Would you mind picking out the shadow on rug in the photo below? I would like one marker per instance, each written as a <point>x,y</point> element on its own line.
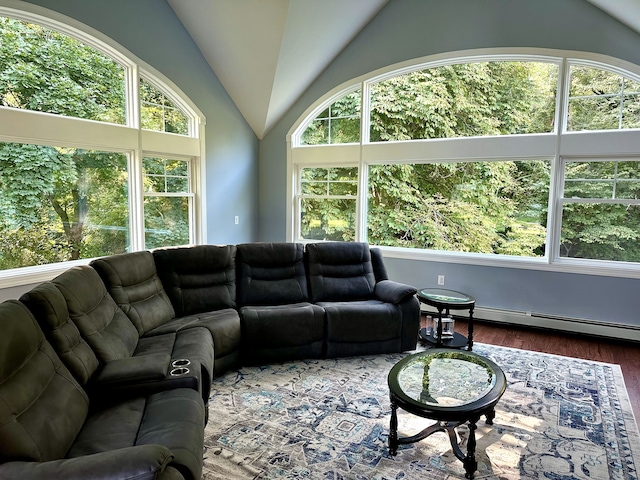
<point>560,418</point>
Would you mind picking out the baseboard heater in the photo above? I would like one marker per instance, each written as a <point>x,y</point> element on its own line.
<point>553,322</point>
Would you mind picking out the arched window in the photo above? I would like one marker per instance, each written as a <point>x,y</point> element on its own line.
<point>77,179</point>
<point>495,159</point>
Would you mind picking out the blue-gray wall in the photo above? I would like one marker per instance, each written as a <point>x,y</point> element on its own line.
<point>408,29</point>
<point>150,30</point>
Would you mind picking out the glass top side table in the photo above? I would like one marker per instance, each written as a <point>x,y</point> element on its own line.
<point>445,301</point>
<point>452,387</point>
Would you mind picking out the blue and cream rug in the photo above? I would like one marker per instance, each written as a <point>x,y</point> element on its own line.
<point>560,418</point>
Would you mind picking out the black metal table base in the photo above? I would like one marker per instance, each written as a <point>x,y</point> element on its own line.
<point>468,459</point>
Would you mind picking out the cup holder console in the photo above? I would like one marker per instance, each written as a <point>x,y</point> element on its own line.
<point>179,371</point>
<point>180,362</point>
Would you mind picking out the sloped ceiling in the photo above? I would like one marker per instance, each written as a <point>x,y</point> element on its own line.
<point>626,11</point>
<point>267,52</point>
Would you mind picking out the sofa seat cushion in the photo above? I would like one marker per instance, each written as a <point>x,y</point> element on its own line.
<point>146,462</point>
<point>224,326</point>
<point>173,418</point>
<point>362,321</point>
<point>282,325</point>
<point>193,343</point>
<point>282,332</point>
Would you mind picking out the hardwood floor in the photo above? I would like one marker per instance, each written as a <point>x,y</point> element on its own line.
<point>625,354</point>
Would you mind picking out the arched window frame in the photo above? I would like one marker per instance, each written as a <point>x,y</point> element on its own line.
<point>558,145</point>
<point>40,128</point>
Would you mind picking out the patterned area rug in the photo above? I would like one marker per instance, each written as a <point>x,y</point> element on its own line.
<point>560,418</point>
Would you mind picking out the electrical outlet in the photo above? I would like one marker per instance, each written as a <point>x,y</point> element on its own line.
<point>237,220</point>
<point>440,279</point>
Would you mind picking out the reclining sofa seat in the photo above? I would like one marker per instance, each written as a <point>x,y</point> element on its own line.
<point>193,276</point>
<point>102,348</point>
<point>200,281</point>
<point>49,428</point>
<point>278,321</point>
<point>366,313</point>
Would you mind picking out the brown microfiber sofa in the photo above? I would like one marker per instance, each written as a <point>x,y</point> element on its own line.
<point>115,330</point>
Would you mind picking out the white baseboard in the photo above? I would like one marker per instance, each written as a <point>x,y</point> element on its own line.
<point>538,320</point>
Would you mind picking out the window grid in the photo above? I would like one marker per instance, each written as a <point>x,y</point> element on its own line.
<point>73,132</point>
<point>553,258</point>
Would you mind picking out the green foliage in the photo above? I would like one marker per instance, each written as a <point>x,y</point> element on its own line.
<point>465,207</point>
<point>601,231</point>
<point>20,247</point>
<point>28,173</point>
<point>331,214</point>
<point>166,221</point>
<point>46,71</point>
<point>340,123</point>
<point>158,113</point>
<point>59,203</point>
<point>602,100</point>
<point>463,100</point>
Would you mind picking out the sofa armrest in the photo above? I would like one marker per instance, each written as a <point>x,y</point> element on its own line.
<point>140,369</point>
<point>393,292</point>
<point>140,462</point>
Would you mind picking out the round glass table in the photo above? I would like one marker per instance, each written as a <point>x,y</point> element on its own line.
<point>444,301</point>
<point>452,387</point>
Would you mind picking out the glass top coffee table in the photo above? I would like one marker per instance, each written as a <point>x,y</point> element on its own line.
<point>452,387</point>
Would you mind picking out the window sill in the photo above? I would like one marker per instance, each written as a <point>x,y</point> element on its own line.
<point>37,274</point>
<point>562,265</point>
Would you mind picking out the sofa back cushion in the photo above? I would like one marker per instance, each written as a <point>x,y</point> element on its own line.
<point>48,306</point>
<point>102,324</point>
<point>198,279</point>
<point>42,408</point>
<point>271,274</point>
<point>340,271</point>
<point>133,282</point>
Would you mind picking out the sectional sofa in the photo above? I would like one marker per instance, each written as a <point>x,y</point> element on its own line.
<point>107,369</point>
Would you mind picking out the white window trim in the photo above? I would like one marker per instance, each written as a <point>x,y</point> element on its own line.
<point>556,145</point>
<point>24,126</point>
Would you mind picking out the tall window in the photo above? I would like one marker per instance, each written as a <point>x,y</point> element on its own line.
<point>167,202</point>
<point>71,165</point>
<point>486,158</point>
<point>328,203</point>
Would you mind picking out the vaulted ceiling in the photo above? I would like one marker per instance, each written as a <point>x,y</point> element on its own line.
<point>267,52</point>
